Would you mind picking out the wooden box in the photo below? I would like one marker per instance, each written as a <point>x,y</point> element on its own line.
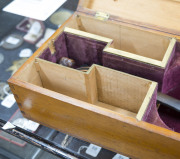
<point>105,106</point>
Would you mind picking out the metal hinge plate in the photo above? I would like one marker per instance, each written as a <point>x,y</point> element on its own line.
<point>102,16</point>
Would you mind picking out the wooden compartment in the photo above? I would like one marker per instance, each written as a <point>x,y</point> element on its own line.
<point>125,41</point>
<point>149,57</point>
<point>143,53</point>
<point>103,87</point>
<point>102,106</point>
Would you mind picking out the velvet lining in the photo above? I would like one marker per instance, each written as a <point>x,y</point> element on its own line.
<point>170,117</point>
<point>61,50</point>
<point>172,77</point>
<point>175,92</point>
<point>83,50</point>
<point>175,73</point>
<point>151,115</point>
<point>88,51</point>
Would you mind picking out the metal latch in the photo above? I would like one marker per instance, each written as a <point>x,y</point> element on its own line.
<point>102,16</point>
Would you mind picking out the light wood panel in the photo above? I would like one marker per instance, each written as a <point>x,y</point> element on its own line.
<point>162,15</point>
<point>62,79</point>
<point>125,38</point>
<point>87,34</point>
<point>30,74</point>
<point>121,111</point>
<point>120,89</point>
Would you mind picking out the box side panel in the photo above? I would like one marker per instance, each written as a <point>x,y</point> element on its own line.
<point>100,126</point>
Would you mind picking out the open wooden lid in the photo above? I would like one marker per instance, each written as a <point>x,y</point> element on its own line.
<point>160,15</point>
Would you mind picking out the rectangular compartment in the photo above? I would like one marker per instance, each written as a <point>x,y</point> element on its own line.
<point>100,86</point>
<point>103,87</point>
<point>127,39</point>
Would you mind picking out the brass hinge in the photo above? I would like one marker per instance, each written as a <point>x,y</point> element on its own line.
<point>102,16</point>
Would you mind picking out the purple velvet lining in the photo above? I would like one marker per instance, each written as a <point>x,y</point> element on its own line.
<point>172,75</point>
<point>170,117</point>
<point>151,115</point>
<point>175,92</point>
<point>174,71</point>
<point>84,50</point>
<point>61,50</point>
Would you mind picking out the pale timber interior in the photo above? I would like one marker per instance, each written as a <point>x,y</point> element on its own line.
<point>30,75</point>
<point>124,38</point>
<point>100,86</point>
<point>162,15</point>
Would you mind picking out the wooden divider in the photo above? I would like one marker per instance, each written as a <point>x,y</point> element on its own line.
<point>91,85</point>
